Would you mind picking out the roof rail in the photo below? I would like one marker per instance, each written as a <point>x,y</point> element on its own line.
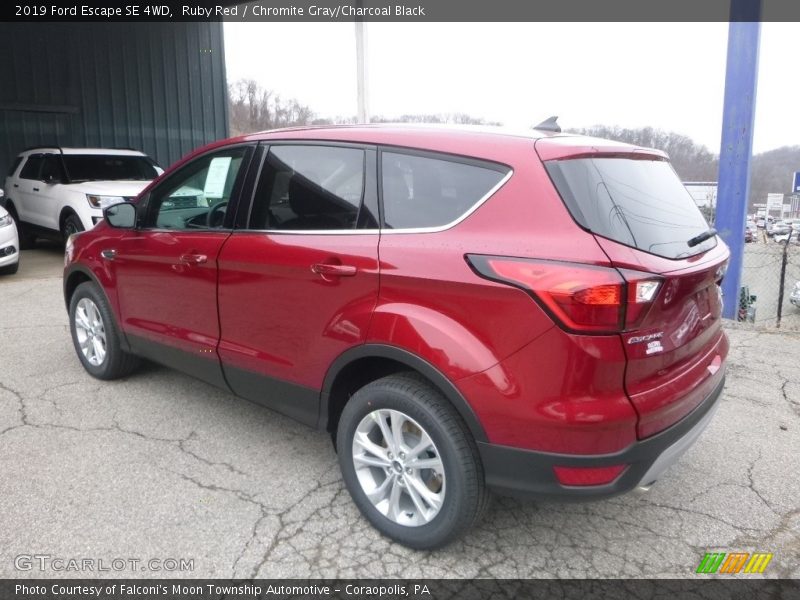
<point>43,147</point>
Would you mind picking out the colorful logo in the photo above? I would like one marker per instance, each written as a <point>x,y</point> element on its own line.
<point>734,562</point>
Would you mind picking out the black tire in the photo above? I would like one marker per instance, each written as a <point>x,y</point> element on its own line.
<point>26,239</point>
<point>465,497</point>
<point>72,224</point>
<point>116,363</point>
<point>9,269</point>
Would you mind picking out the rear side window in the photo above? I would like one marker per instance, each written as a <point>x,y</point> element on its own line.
<point>313,188</point>
<point>426,191</point>
<point>14,166</point>
<point>32,168</point>
<point>51,169</point>
<point>638,203</point>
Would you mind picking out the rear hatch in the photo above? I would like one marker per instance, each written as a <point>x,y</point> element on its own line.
<point>643,218</point>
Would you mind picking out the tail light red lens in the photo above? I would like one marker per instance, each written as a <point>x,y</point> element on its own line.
<point>581,298</point>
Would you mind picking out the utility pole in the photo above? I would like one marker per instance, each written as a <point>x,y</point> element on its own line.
<point>361,68</point>
<point>741,78</point>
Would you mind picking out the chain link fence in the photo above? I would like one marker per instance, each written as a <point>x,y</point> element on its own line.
<point>770,273</point>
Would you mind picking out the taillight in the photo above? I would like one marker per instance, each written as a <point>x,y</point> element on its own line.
<point>581,298</point>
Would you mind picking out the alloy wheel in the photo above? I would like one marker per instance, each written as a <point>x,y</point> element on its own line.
<point>399,467</point>
<point>90,332</point>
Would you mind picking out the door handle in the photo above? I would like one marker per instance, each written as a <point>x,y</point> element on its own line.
<point>35,189</point>
<point>109,254</point>
<point>193,259</point>
<point>16,185</point>
<point>327,270</point>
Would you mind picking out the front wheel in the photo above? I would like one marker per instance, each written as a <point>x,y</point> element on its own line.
<point>410,463</point>
<point>72,224</point>
<point>9,269</point>
<point>95,336</point>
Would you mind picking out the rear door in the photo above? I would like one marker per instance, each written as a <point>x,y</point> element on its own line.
<point>298,283</point>
<point>47,199</point>
<point>643,218</point>
<point>166,269</point>
<point>27,191</point>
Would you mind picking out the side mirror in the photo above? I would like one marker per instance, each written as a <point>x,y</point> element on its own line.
<point>121,216</point>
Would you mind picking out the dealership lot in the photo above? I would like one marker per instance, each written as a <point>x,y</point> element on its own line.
<point>162,467</point>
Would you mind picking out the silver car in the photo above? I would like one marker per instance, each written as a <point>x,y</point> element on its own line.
<point>794,298</point>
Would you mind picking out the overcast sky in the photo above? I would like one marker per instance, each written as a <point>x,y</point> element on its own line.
<point>665,75</point>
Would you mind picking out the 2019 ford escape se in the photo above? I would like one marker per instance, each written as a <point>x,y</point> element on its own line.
<point>463,310</point>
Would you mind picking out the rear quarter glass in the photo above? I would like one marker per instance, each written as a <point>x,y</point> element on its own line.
<point>637,202</point>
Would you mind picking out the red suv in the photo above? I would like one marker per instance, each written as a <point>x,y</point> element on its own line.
<point>463,310</point>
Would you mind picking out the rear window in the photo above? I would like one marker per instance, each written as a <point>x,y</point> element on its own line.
<point>32,167</point>
<point>423,191</point>
<point>14,165</point>
<point>636,202</point>
<point>99,167</point>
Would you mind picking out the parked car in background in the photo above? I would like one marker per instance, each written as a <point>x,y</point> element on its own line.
<point>779,228</point>
<point>9,243</point>
<point>749,235</point>
<point>761,222</point>
<point>53,192</point>
<point>770,228</point>
<point>791,238</point>
<point>794,297</point>
<point>461,309</point>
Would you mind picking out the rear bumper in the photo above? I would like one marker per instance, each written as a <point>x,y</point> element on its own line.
<point>528,473</point>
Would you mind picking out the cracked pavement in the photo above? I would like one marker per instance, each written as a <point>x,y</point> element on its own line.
<point>160,465</point>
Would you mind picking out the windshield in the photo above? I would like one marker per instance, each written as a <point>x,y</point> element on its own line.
<point>103,167</point>
<point>636,202</point>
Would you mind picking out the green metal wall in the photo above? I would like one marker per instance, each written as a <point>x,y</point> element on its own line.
<point>159,87</point>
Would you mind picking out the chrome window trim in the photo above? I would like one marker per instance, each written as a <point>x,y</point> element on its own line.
<point>405,230</point>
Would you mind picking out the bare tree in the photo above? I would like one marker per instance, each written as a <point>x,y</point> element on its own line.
<point>253,108</point>
<point>692,161</point>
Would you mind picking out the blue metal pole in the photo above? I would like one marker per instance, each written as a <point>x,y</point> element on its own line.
<point>741,77</point>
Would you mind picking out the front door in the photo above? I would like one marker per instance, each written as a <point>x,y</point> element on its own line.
<point>166,269</point>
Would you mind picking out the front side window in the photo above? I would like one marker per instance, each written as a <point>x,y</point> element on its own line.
<point>423,191</point>
<point>32,168</point>
<point>309,188</point>
<point>197,196</point>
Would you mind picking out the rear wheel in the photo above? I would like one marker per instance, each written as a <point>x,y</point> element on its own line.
<point>95,336</point>
<point>410,463</point>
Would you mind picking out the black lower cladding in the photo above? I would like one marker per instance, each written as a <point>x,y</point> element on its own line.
<point>530,474</point>
<point>295,401</point>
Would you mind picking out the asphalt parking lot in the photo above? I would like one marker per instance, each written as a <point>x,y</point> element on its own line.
<point>161,466</point>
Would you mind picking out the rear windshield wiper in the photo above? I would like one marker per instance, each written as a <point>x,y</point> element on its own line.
<point>699,239</point>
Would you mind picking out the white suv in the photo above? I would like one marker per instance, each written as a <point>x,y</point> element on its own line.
<point>53,192</point>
